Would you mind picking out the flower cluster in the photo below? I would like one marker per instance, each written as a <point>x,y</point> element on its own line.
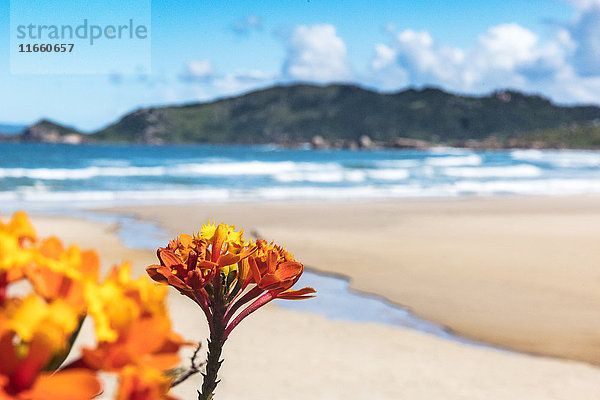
<point>229,279</point>
<point>38,330</point>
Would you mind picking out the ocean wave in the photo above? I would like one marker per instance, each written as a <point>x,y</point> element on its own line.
<point>306,193</point>
<point>515,171</point>
<point>388,174</point>
<point>528,154</point>
<point>452,161</point>
<point>192,169</point>
<point>337,176</point>
<point>249,168</point>
<point>79,173</point>
<point>284,171</point>
<point>559,158</point>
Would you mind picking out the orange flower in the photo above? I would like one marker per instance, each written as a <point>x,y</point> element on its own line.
<point>60,273</point>
<point>22,378</point>
<point>33,335</point>
<point>143,384</point>
<point>222,273</point>
<point>190,263</point>
<point>184,266</point>
<point>274,270</point>
<point>125,310</point>
<point>215,268</point>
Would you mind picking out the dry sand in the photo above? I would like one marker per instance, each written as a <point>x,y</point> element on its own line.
<point>523,273</point>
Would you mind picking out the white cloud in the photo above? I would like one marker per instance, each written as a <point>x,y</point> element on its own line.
<point>564,65</point>
<point>198,70</point>
<point>506,46</point>
<point>506,55</point>
<point>315,53</point>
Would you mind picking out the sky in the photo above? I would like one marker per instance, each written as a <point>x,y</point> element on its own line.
<point>201,50</point>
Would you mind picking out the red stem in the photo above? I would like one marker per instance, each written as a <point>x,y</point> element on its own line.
<point>261,301</point>
<point>201,298</point>
<point>233,307</point>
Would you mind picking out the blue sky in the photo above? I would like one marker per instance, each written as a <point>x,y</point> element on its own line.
<point>202,50</point>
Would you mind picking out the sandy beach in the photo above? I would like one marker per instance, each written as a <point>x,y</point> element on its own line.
<point>520,273</point>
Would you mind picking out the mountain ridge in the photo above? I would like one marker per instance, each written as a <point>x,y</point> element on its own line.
<point>352,116</point>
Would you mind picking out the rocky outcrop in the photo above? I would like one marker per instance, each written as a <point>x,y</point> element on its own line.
<point>49,132</point>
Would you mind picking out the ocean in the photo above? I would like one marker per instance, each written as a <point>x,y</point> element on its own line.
<point>47,176</point>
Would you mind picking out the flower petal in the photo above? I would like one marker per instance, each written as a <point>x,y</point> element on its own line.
<point>297,294</point>
<point>75,384</point>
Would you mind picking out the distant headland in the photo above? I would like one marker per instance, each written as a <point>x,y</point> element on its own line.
<point>347,116</point>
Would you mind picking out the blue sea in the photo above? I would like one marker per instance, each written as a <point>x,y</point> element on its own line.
<point>49,176</point>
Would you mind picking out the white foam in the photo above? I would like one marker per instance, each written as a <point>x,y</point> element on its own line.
<point>560,158</point>
<point>388,174</point>
<point>300,193</point>
<point>195,169</point>
<point>529,154</point>
<point>452,161</point>
<point>240,168</point>
<point>515,171</point>
<point>79,173</point>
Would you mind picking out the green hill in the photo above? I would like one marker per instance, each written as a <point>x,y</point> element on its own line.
<point>342,114</point>
<point>296,113</point>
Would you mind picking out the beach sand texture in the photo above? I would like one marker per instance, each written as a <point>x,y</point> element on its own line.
<point>521,273</point>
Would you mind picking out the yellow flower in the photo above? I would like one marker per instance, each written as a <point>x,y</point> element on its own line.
<point>33,317</point>
<point>19,226</point>
<point>131,323</point>
<point>220,235</point>
<point>110,308</point>
<point>12,255</point>
<point>120,300</point>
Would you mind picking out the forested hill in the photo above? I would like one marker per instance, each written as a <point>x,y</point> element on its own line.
<point>344,113</point>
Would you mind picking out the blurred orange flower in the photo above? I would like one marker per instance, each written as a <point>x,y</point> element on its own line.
<point>143,384</point>
<point>33,334</point>
<point>132,326</point>
<point>125,310</point>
